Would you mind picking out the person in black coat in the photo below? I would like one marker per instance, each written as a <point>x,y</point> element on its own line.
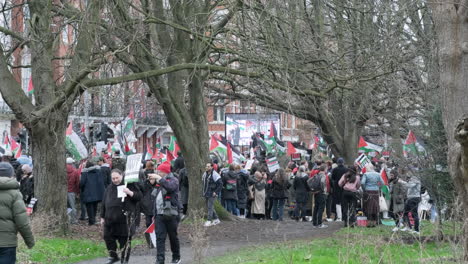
<point>118,217</point>
<point>337,194</point>
<point>179,163</point>
<point>91,189</point>
<point>279,188</point>
<point>229,192</point>
<point>105,171</point>
<point>184,189</point>
<point>302,193</point>
<point>242,190</point>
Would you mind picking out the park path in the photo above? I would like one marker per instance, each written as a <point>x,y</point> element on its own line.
<point>232,236</point>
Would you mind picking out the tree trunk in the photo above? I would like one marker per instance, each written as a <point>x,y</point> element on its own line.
<point>48,152</point>
<point>451,27</point>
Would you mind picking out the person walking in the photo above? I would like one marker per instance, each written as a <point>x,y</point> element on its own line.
<point>302,194</point>
<point>118,216</point>
<point>13,216</point>
<point>280,185</point>
<point>212,185</point>
<point>92,189</point>
<point>371,182</point>
<point>73,189</point>
<point>167,212</point>
<point>350,182</point>
<point>413,195</point>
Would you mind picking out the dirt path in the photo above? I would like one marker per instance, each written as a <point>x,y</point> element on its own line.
<point>231,236</point>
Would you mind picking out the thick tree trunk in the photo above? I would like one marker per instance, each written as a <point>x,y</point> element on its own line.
<point>451,27</point>
<point>48,151</point>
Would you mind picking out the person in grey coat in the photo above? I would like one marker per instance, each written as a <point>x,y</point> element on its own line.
<point>398,198</point>
<point>302,193</point>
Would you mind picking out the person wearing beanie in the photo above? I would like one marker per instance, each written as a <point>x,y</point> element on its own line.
<point>166,212</point>
<point>13,215</point>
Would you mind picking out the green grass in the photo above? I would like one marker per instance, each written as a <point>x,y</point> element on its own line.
<point>63,250</point>
<point>351,246</point>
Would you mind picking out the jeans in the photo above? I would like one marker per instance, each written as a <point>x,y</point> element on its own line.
<point>412,206</point>
<point>210,205</point>
<point>167,226</point>
<point>71,196</point>
<point>319,206</point>
<point>278,209</point>
<point>91,208</point>
<point>349,202</point>
<point>231,206</point>
<point>7,255</point>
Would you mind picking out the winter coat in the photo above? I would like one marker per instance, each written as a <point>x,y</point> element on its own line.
<point>242,189</point>
<point>13,218</point>
<point>179,164</point>
<point>227,178</point>
<point>73,177</point>
<point>92,185</point>
<point>348,186</point>
<point>302,188</point>
<point>258,204</point>
<point>168,187</point>
<point>147,201</point>
<point>278,190</point>
<point>336,174</point>
<point>398,196</point>
<point>27,188</point>
<point>183,186</point>
<point>106,174</point>
<point>116,213</point>
<point>371,181</point>
<point>212,183</point>
<point>414,188</point>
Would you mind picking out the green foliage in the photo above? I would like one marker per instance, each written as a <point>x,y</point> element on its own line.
<point>358,245</point>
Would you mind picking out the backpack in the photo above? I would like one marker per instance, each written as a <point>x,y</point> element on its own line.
<point>315,183</point>
<point>231,184</point>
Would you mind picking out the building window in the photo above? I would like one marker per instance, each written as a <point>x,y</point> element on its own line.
<point>218,113</point>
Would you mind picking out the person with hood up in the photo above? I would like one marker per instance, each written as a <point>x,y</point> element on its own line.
<point>167,212</point>
<point>279,187</point>
<point>13,216</point>
<point>92,189</point>
<point>302,194</point>
<point>118,216</point>
<point>229,192</point>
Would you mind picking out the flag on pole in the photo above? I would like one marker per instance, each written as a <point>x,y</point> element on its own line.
<point>6,142</point>
<point>364,146</point>
<point>291,148</point>
<point>30,86</point>
<point>151,231</point>
<point>383,175</point>
<point>173,146</point>
<point>74,145</point>
<point>273,132</point>
<point>169,156</point>
<point>216,146</point>
<point>158,143</point>
<point>156,155</point>
<point>18,153</point>
<point>14,145</point>
<point>149,152</point>
<point>410,144</point>
<point>129,123</point>
<point>229,154</point>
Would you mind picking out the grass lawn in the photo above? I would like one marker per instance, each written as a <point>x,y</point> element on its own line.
<point>63,250</point>
<point>353,245</point>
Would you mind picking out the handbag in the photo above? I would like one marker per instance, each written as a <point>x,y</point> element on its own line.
<point>382,204</point>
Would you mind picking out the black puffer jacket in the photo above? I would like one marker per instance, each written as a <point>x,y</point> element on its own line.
<point>92,185</point>
<point>242,189</point>
<point>230,181</point>
<point>301,188</point>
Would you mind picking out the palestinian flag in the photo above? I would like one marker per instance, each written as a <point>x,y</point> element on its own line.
<point>410,144</point>
<point>30,86</point>
<point>267,145</point>
<point>152,234</point>
<point>291,149</point>
<point>18,153</point>
<point>156,155</point>
<point>173,146</point>
<point>169,156</point>
<point>216,146</point>
<point>127,149</point>
<point>149,152</point>
<point>14,145</point>
<point>362,161</point>
<point>366,147</point>
<point>129,123</point>
<point>158,143</point>
<point>273,132</point>
<point>6,142</point>
<point>229,154</point>
<point>74,145</point>
<point>383,175</point>
<point>94,154</point>
<point>280,150</point>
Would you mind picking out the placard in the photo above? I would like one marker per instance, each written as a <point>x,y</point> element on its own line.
<point>296,156</point>
<point>132,168</point>
<point>273,164</point>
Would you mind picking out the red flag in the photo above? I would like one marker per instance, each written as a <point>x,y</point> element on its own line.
<point>14,144</point>
<point>169,156</point>
<point>150,228</point>
<point>213,143</point>
<point>127,148</point>
<point>383,174</point>
<point>410,139</point>
<point>229,153</point>
<point>148,150</point>
<point>5,140</point>
<point>155,155</point>
<point>272,130</point>
<point>291,149</point>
